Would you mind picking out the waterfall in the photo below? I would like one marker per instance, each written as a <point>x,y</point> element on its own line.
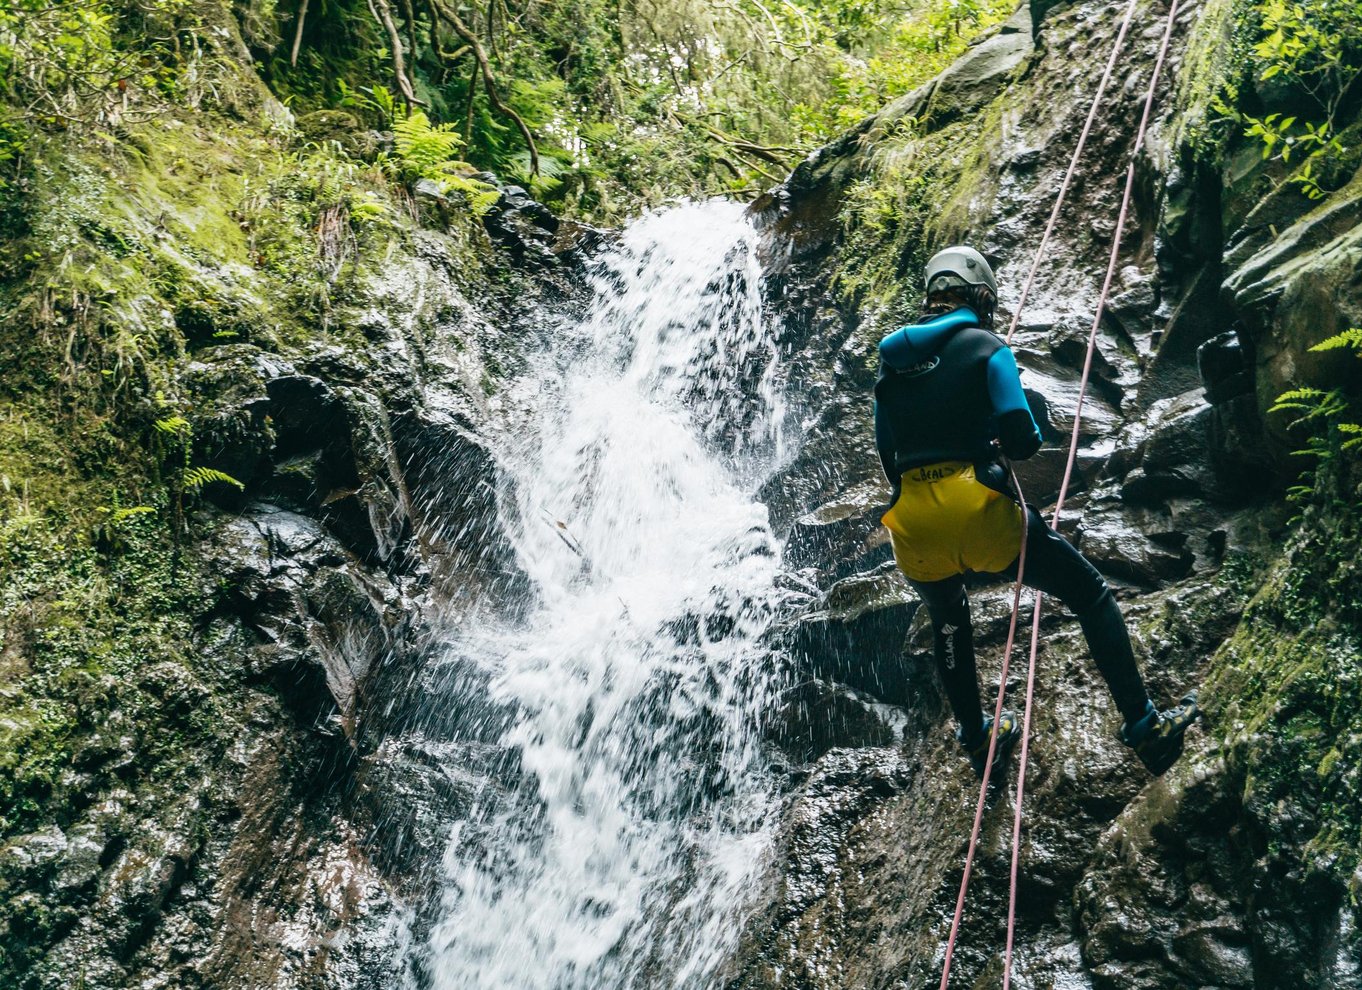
<point>632,806</point>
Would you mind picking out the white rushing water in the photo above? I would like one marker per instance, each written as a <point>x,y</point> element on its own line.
<point>622,851</point>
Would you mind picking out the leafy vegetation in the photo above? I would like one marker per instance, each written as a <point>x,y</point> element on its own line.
<point>1288,686</point>
<point>423,150</point>
<point>1328,415</point>
<point>916,192</point>
<point>84,62</point>
<point>1306,57</point>
<point>601,107</point>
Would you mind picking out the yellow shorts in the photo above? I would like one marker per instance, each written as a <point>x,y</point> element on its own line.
<point>947,522</point>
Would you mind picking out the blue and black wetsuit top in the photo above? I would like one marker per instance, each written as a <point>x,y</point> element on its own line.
<point>948,389</point>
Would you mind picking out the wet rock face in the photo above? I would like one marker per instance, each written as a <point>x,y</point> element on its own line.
<point>298,812</point>
<point>985,70</point>
<point>322,624</point>
<point>837,822</point>
<point>371,507</point>
<point>1126,882</point>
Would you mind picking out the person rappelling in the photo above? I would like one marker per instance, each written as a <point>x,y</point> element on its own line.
<point>949,407</point>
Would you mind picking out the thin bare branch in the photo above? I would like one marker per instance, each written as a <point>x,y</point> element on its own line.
<point>384,15</point>
<point>409,13</point>
<point>488,78</point>
<point>298,33</point>
<point>468,107</point>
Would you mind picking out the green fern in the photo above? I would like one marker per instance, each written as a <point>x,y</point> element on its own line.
<point>197,477</point>
<point>173,425</point>
<point>1351,338</point>
<point>118,515</point>
<point>479,196</point>
<point>431,151</point>
<point>367,209</point>
<point>1325,411</point>
<point>1297,398</point>
<point>426,150</point>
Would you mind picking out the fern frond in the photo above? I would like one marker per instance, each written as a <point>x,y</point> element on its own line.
<point>175,425</point>
<point>196,477</point>
<point>1350,338</point>
<point>367,209</point>
<point>1300,394</point>
<point>119,513</point>
<point>480,196</point>
<point>426,149</point>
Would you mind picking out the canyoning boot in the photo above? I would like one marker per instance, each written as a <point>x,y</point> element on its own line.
<point>1157,738</point>
<point>977,748</point>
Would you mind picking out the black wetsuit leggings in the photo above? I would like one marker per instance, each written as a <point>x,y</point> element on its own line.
<point>1057,569</point>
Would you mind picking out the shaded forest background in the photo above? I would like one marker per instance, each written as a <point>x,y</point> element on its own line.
<point>598,107</point>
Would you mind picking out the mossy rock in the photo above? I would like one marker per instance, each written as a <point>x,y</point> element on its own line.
<point>339,128</point>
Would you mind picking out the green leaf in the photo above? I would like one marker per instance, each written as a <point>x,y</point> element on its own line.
<point>173,426</point>
<point>197,477</point>
<point>1351,338</point>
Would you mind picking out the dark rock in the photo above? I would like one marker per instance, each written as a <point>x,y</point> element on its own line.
<point>232,428</point>
<point>579,241</point>
<point>1133,544</point>
<point>526,228</point>
<point>1135,304</point>
<point>449,479</point>
<point>522,226</point>
<point>429,189</point>
<point>842,534</point>
<point>838,454</point>
<point>1040,9</point>
<point>1054,398</point>
<point>981,73</point>
<point>821,895</point>
<point>1167,877</point>
<point>322,625</point>
<point>1224,368</point>
<point>82,859</point>
<point>1041,475</point>
<point>1296,289</point>
<point>818,716</point>
<point>1176,452</point>
<point>1240,450</point>
<point>424,785</point>
<point>854,635</point>
<point>1197,317</point>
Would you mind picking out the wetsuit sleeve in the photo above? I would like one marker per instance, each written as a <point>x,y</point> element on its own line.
<point>1017,430</point>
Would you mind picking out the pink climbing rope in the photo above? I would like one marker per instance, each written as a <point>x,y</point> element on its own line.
<point>1112,262</point>
<point>1073,167</point>
<point>1021,558</point>
<point>988,760</point>
<point>1064,486</point>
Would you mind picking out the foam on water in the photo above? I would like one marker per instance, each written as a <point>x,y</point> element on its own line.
<point>622,849</point>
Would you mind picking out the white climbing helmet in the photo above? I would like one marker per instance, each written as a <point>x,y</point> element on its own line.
<point>957,267</point>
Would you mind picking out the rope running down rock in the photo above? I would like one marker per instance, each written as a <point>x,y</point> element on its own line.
<point>1064,487</point>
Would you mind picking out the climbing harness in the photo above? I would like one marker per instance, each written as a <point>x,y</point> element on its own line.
<point>1063,488</point>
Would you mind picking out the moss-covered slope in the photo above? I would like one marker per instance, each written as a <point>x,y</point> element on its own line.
<point>209,310</point>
